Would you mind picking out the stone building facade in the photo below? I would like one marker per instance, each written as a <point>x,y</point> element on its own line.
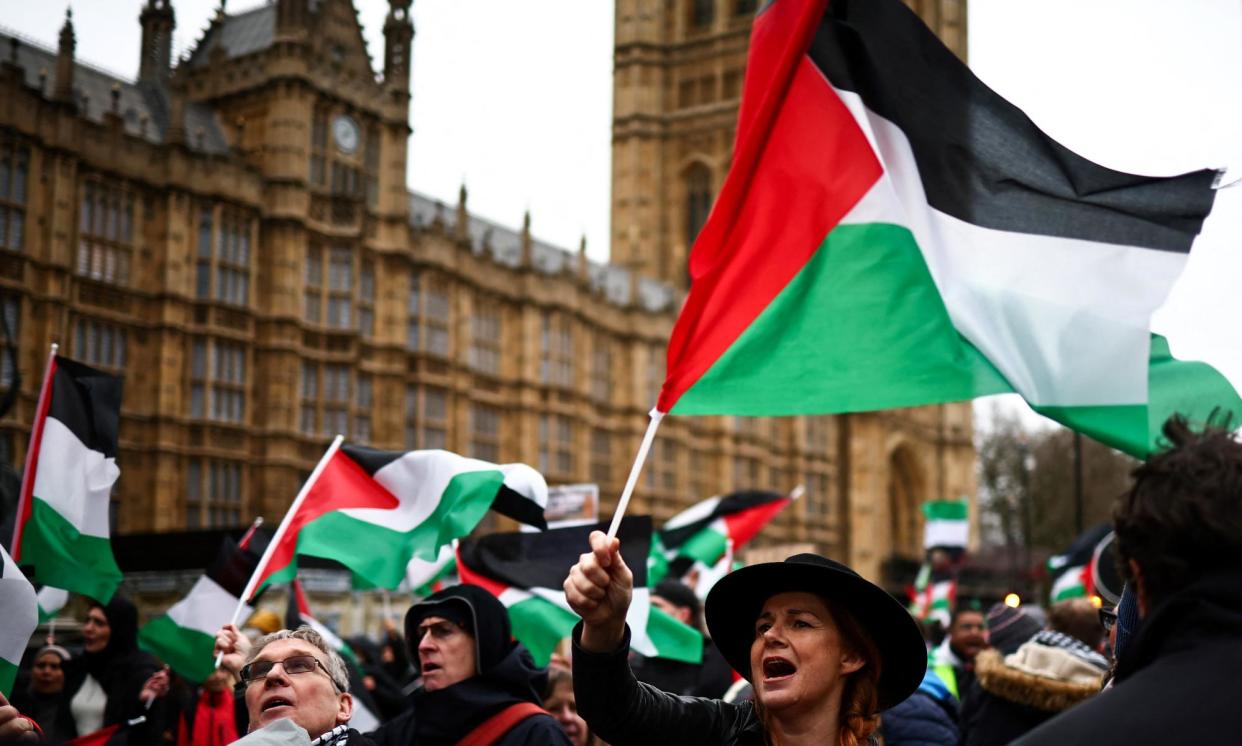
<point>233,234</point>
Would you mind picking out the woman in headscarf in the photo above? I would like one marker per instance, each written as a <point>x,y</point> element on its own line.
<point>104,685</point>
<point>44,700</point>
<point>825,650</point>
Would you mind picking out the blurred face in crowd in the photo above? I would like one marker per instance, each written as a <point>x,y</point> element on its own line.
<point>797,661</point>
<point>564,708</point>
<point>310,698</point>
<point>446,653</point>
<point>968,634</point>
<point>96,631</point>
<point>680,613</point>
<point>47,677</point>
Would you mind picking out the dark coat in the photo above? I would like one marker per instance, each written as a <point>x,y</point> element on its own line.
<point>621,710</point>
<point>50,711</point>
<point>445,716</point>
<point>1176,682</point>
<point>711,678</point>
<point>926,718</point>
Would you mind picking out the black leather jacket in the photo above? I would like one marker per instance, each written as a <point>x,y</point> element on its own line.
<point>621,710</point>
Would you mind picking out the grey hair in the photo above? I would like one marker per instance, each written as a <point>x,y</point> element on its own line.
<point>336,664</point>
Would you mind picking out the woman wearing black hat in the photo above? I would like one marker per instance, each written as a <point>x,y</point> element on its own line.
<point>824,649</point>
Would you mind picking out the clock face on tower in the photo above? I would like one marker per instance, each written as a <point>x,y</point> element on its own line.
<point>345,133</point>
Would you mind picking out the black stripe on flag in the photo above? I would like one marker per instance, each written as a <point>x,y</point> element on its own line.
<point>734,502</point>
<point>980,158</point>
<point>543,559</point>
<point>88,402</point>
<point>520,508</point>
<point>232,567</point>
<point>370,459</point>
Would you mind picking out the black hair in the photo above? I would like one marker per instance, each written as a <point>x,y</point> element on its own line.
<point>1183,515</point>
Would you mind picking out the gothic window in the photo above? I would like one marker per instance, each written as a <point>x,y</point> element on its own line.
<point>313,308</point>
<point>309,423</point>
<point>557,351</point>
<point>485,422</point>
<point>225,250</point>
<point>702,475</point>
<point>366,300</point>
<point>335,400</point>
<point>429,316</point>
<point>319,147</point>
<point>213,494</point>
<point>698,200</point>
<point>485,338</point>
<point>11,308</point>
<point>702,13</point>
<point>361,432</point>
<point>654,375</point>
<point>556,446</point>
<point>426,418</point>
<point>14,167</point>
<point>106,232</point>
<point>99,344</point>
<point>601,370</point>
<point>217,381</point>
<point>601,457</point>
<point>746,473</point>
<point>818,495</point>
<point>371,167</point>
<point>340,287</point>
<point>819,435</point>
<point>327,407</point>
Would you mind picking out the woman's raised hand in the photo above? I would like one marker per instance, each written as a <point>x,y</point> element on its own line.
<point>598,589</point>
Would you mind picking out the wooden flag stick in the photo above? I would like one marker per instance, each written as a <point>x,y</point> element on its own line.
<point>635,470</point>
<point>280,531</point>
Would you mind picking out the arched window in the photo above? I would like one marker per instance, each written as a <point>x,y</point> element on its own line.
<point>702,13</point>
<point>698,200</point>
<point>905,494</point>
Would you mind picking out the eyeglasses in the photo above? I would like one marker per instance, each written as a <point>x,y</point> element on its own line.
<point>294,665</point>
<point>1108,618</point>
<point>439,630</point>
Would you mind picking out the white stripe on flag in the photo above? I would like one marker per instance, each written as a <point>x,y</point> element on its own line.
<point>76,481</point>
<point>696,512</point>
<point>52,600</point>
<point>19,615</point>
<point>945,533</point>
<point>1050,313</point>
<point>206,608</point>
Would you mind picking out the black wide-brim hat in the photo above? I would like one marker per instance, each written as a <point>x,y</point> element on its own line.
<point>735,602</point>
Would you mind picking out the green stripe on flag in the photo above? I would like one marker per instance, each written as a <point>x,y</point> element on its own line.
<point>673,639</point>
<point>186,651</point>
<point>706,546</point>
<point>8,674</point>
<point>66,558</point>
<point>862,326</point>
<point>540,625</point>
<point>945,510</point>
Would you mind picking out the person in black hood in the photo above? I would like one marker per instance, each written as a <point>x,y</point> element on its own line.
<point>105,684</point>
<point>476,679</point>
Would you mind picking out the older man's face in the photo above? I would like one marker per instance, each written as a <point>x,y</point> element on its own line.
<point>445,653</point>
<point>309,699</point>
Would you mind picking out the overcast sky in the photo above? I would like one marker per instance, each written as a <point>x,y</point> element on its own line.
<point>514,98</point>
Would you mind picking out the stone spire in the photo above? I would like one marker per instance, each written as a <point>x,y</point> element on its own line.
<point>158,21</point>
<point>528,245</point>
<point>398,38</point>
<point>462,225</point>
<point>64,60</point>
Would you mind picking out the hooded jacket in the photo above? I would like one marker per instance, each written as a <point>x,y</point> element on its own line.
<point>507,675</point>
<point>926,718</point>
<point>1047,675</point>
<point>1176,681</point>
<point>121,669</point>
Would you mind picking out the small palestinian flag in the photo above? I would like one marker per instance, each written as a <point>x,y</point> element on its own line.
<point>373,511</point>
<point>945,524</point>
<point>701,533</point>
<point>526,571</point>
<point>298,613</point>
<point>1075,582</point>
<point>19,615</point>
<point>62,526</point>
<point>112,735</point>
<point>185,635</point>
<point>893,233</point>
<point>426,578</point>
<point>1071,570</point>
<point>932,597</point>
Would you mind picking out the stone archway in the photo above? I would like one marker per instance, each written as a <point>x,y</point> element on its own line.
<point>907,489</point>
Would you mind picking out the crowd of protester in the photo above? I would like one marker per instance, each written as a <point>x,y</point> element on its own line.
<point>800,651</point>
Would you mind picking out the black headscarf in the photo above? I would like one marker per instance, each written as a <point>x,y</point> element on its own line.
<point>473,609</point>
<point>120,668</point>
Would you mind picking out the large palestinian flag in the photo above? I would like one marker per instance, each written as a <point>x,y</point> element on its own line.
<point>19,615</point>
<point>893,233</point>
<point>184,636</point>
<point>526,571</point>
<point>62,517</point>
<point>700,534</point>
<point>372,511</point>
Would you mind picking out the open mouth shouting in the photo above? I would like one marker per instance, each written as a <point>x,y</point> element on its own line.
<point>777,669</point>
<point>275,707</point>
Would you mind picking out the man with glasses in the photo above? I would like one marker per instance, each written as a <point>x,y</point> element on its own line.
<point>295,675</point>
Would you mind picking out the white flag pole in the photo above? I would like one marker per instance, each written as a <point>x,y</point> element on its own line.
<point>280,531</point>
<point>36,435</point>
<point>635,470</point>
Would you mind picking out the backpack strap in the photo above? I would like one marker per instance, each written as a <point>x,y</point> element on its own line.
<point>490,730</point>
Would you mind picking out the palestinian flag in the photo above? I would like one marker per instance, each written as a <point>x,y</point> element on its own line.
<point>700,534</point>
<point>1075,582</point>
<point>893,233</point>
<point>297,614</point>
<point>932,597</point>
<point>426,578</point>
<point>373,511</point>
<point>184,637</point>
<point>51,601</point>
<point>19,616</point>
<point>1071,570</point>
<point>62,525</point>
<point>526,571</point>
<point>945,524</point>
<point>112,734</point>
